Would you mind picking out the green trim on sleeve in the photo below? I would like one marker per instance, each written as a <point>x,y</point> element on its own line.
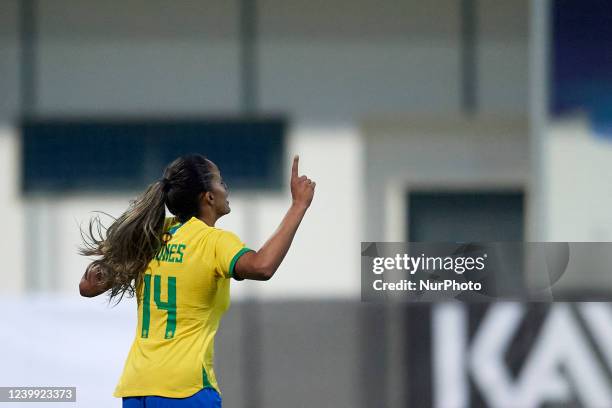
<point>235,259</point>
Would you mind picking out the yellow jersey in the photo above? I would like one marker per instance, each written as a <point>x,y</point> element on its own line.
<point>183,294</point>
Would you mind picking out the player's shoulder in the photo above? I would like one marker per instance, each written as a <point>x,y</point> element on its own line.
<point>223,237</point>
<point>224,234</point>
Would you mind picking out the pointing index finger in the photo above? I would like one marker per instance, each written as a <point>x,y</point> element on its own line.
<point>294,167</point>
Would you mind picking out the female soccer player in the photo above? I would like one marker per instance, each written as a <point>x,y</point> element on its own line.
<point>179,268</point>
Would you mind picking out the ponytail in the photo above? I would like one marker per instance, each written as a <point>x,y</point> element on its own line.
<point>130,243</point>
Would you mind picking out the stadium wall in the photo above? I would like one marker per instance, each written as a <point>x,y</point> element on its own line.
<point>353,60</point>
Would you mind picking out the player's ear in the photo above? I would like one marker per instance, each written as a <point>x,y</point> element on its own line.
<point>206,198</point>
<point>209,197</point>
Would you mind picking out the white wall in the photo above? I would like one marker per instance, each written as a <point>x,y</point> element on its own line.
<point>438,152</point>
<point>579,183</point>
<point>324,261</point>
<point>14,241</point>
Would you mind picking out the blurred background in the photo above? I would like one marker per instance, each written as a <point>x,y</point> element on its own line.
<point>444,120</point>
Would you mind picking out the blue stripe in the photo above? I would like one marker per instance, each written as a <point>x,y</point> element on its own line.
<point>175,228</point>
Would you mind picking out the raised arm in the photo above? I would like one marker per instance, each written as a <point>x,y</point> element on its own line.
<point>92,282</point>
<point>262,265</point>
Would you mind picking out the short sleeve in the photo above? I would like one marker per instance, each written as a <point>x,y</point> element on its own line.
<point>228,249</point>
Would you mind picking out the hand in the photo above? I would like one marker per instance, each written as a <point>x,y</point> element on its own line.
<point>97,273</point>
<point>95,280</point>
<point>302,188</point>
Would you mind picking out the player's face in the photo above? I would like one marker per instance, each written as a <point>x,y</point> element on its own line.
<point>220,192</point>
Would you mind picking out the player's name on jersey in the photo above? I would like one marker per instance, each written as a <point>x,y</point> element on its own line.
<point>171,253</point>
